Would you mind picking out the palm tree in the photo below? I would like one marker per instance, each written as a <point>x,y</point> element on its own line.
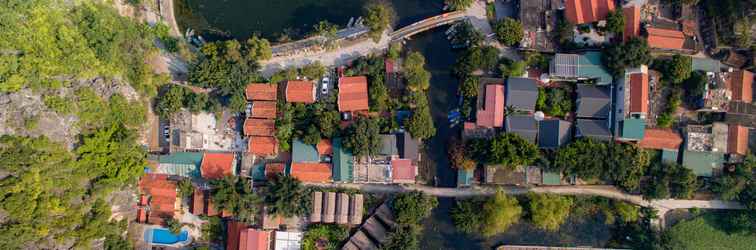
<point>235,195</point>
<point>286,196</point>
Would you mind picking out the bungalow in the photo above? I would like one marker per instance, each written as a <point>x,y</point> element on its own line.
<point>577,67</point>
<point>263,146</point>
<point>311,172</point>
<point>523,125</point>
<point>587,11</point>
<point>403,171</point>
<point>218,165</point>
<point>353,94</point>
<point>521,94</point>
<point>338,208</point>
<point>253,239</point>
<point>408,147</point>
<point>592,102</point>
<point>300,91</point>
<point>662,139</point>
<point>669,39</point>
<point>492,114</point>
<point>553,134</point>
<point>737,140</point>
<point>261,92</point>
<point>259,127</point>
<point>632,21</point>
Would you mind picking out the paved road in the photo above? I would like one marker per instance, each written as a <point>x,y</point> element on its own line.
<point>662,206</point>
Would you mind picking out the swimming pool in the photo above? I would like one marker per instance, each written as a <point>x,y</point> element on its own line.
<point>164,236</point>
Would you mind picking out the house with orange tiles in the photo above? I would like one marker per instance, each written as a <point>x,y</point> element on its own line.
<point>264,146</point>
<point>737,140</point>
<point>353,94</point>
<point>631,109</point>
<point>300,91</point>
<point>259,127</point>
<point>218,165</point>
<point>240,237</point>
<point>157,200</point>
<point>311,172</point>
<point>742,86</point>
<point>263,110</point>
<point>261,92</point>
<point>492,113</point>
<point>632,16</point>
<point>587,11</point>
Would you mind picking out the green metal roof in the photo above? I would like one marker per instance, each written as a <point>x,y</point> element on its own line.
<point>343,162</point>
<point>551,178</point>
<point>591,67</point>
<point>669,156</point>
<point>184,164</point>
<point>706,65</point>
<point>301,152</point>
<point>464,177</point>
<point>182,158</point>
<point>702,163</point>
<point>633,128</point>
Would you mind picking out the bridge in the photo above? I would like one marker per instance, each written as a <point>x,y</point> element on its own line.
<point>426,24</point>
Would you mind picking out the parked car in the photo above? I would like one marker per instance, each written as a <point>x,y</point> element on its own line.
<point>324,88</point>
<point>248,110</point>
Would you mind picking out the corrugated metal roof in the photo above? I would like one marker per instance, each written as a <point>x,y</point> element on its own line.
<point>706,64</point>
<point>633,128</point>
<point>343,162</point>
<point>552,178</point>
<point>554,133</point>
<point>586,66</point>
<point>596,129</point>
<point>523,125</point>
<point>592,101</point>
<point>464,177</point>
<point>522,93</point>
<point>702,163</point>
<point>388,145</point>
<point>301,152</point>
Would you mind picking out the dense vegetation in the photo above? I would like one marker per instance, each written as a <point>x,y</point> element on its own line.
<point>737,183</point>
<point>710,231</point>
<point>286,196</point>
<point>487,216</point>
<point>554,101</point>
<point>506,149</point>
<point>235,195</point>
<point>330,235</point>
<point>410,209</point>
<point>669,180</point>
<point>378,17</point>
<point>631,54</point>
<point>363,137</point>
<point>420,123</point>
<point>623,164</point>
<point>508,31</point>
<point>459,4</point>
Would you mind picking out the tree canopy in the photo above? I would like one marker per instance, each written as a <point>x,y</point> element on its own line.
<point>508,31</point>
<point>676,69</point>
<point>507,149</point>
<point>378,17</point>
<point>623,164</point>
<point>235,195</point>
<point>548,211</point>
<point>499,213</point>
<point>631,54</point>
<point>413,207</point>
<point>363,137</point>
<point>615,21</point>
<point>285,196</point>
<point>459,4</point>
<point>418,78</point>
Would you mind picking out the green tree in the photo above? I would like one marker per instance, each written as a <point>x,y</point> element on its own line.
<point>258,49</point>
<point>458,156</point>
<point>328,122</point>
<point>549,211</point>
<point>286,197</point>
<point>583,157</point>
<point>418,78</point>
<point>466,215</point>
<point>405,237</point>
<point>738,183</point>
<point>511,150</point>
<point>499,212</point>
<point>314,70</point>
<point>363,137</point>
<point>185,187</point>
<point>235,195</point>
<point>628,212</point>
<point>212,231</point>
<point>630,54</point>
<point>627,163</point>
<point>412,207</point>
<point>326,29</point>
<point>329,235</point>
<point>469,87</point>
<point>284,126</point>
<point>173,225</point>
<point>615,21</point>
<point>195,102</point>
<point>459,4</point>
<point>312,135</point>
<point>675,70</point>
<point>378,17</point>
<point>170,101</point>
<point>420,123</point>
<point>395,51</point>
<point>514,69</point>
<point>564,31</point>
<point>378,95</point>
<point>508,31</point>
<point>669,180</point>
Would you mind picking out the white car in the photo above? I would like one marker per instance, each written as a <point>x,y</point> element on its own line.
<point>324,88</point>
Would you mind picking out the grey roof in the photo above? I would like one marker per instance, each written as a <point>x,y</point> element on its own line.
<point>521,93</point>
<point>388,145</point>
<point>522,125</point>
<point>408,146</point>
<point>554,133</point>
<point>585,66</point>
<point>595,129</point>
<point>592,101</point>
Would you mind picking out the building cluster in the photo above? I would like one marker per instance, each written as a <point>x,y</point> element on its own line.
<point>338,208</point>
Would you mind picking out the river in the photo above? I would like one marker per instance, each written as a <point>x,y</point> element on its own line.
<point>236,19</point>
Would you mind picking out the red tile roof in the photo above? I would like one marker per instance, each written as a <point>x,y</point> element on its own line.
<point>271,169</point>
<point>264,109</point>
<point>162,192</point>
<point>665,39</point>
<point>261,92</point>
<point>737,140</point>
<point>253,239</point>
<point>353,94</point>
<point>234,230</point>
<point>587,11</point>
<point>198,202</point>
<point>639,93</point>
<point>324,147</point>
<point>492,114</point>
<point>632,22</point>
<point>300,91</point>
<point>402,170</point>
<point>217,165</point>
<point>141,215</point>
<point>311,172</point>
<point>259,127</point>
<point>742,84</point>
<point>262,145</point>
<point>661,139</point>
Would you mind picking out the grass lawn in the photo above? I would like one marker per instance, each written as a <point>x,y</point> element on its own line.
<point>701,233</point>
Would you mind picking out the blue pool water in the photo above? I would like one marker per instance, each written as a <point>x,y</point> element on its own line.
<point>164,236</point>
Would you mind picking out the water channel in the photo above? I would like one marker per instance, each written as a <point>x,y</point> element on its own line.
<point>241,18</point>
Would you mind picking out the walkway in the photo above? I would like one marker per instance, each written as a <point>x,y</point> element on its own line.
<point>662,206</point>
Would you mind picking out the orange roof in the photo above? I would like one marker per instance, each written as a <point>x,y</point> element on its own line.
<point>639,93</point>
<point>271,169</point>
<point>353,93</point>
<point>261,91</point>
<point>311,172</point>
<point>632,22</point>
<point>162,192</point>
<point>324,147</point>
<point>234,230</point>
<point>253,239</point>
<point>402,170</point>
<point>217,165</point>
<point>660,139</point>
<point>141,215</point>
<point>742,84</point>
<point>198,202</point>
<point>587,11</point>
<point>259,127</point>
<point>300,91</point>
<point>737,140</point>
<point>665,39</point>
<point>262,145</point>
<point>264,109</point>
<point>492,114</point>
